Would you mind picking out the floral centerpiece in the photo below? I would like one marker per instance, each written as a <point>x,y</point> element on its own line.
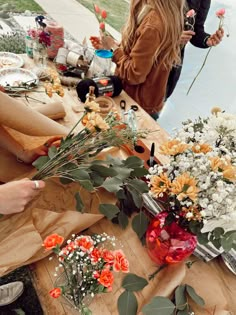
<point>88,264</point>
<point>196,189</point>
<point>41,40</point>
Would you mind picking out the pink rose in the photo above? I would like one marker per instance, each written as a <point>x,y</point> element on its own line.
<point>220,13</point>
<point>190,13</point>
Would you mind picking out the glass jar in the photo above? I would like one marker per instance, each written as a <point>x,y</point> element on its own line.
<point>101,64</point>
<point>67,299</point>
<point>168,243</point>
<point>40,55</point>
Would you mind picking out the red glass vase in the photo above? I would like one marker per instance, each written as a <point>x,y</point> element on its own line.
<point>168,244</point>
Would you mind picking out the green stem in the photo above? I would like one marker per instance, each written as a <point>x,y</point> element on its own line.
<point>152,276</point>
<point>205,59</point>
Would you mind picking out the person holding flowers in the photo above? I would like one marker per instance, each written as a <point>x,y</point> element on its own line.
<point>148,50</point>
<point>196,12</point>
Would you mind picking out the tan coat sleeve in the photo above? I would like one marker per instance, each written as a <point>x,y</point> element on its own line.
<point>135,67</point>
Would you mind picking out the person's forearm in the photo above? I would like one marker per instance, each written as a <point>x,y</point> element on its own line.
<point>9,143</point>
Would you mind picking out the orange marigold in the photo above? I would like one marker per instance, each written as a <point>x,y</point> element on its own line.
<point>159,184</point>
<point>185,186</point>
<point>230,173</point>
<point>173,147</point>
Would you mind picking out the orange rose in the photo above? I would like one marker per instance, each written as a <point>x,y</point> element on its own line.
<point>108,256</point>
<point>106,278</point>
<point>55,293</point>
<point>120,263</point>
<point>52,241</point>
<point>85,243</point>
<point>95,255</point>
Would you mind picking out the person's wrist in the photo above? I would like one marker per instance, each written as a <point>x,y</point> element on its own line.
<point>206,41</point>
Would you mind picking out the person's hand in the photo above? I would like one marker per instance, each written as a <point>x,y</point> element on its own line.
<point>14,196</point>
<point>96,42</point>
<point>29,156</point>
<point>215,38</point>
<point>186,37</point>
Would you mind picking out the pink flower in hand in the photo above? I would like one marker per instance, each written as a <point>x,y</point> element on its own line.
<point>190,13</point>
<point>220,13</point>
<point>104,14</point>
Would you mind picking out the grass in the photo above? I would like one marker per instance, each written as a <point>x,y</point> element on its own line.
<point>117,11</point>
<point>22,5</point>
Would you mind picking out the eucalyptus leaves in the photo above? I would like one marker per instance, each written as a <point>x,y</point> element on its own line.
<point>128,305</point>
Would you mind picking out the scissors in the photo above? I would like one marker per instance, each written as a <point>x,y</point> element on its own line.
<point>123,106</point>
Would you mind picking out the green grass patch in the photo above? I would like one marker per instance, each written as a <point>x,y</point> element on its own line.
<point>117,11</point>
<point>22,5</point>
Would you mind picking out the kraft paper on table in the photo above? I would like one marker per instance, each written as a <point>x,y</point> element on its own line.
<point>16,115</point>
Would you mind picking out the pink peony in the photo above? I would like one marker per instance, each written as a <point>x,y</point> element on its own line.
<point>220,13</point>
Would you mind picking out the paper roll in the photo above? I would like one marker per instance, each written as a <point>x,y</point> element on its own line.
<point>52,110</point>
<point>16,115</point>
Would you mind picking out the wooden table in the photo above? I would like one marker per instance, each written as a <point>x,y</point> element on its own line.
<point>219,294</point>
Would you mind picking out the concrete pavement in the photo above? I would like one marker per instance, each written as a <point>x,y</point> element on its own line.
<point>75,18</point>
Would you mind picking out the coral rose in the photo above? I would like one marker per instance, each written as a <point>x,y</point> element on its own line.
<point>55,293</point>
<point>52,241</point>
<point>108,256</point>
<point>85,243</point>
<point>220,13</point>
<point>102,26</point>
<point>106,278</point>
<point>120,263</point>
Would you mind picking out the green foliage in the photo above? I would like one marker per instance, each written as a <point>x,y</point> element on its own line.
<point>159,306</point>
<point>163,306</point>
<point>14,43</point>
<point>21,5</point>
<point>79,202</point>
<point>108,210</point>
<point>140,223</point>
<point>133,282</point>
<point>127,303</point>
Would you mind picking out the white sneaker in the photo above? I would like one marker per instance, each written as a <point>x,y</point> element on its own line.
<point>10,292</point>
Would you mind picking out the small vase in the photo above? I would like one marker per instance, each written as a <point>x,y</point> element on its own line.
<point>40,55</point>
<point>67,299</point>
<point>170,243</point>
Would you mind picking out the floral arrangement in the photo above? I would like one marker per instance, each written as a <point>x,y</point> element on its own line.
<point>221,15</point>
<point>197,186</point>
<point>38,34</point>
<point>88,264</point>
<point>74,159</point>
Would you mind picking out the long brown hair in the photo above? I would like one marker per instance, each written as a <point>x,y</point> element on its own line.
<point>171,16</point>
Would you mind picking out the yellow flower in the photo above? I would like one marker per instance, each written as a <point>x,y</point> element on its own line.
<point>230,173</point>
<point>185,186</point>
<point>173,147</point>
<point>91,106</point>
<point>159,184</point>
<point>95,122</point>
<point>201,148</point>
<point>219,164</point>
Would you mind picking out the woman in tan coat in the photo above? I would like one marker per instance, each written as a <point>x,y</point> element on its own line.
<point>148,49</point>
